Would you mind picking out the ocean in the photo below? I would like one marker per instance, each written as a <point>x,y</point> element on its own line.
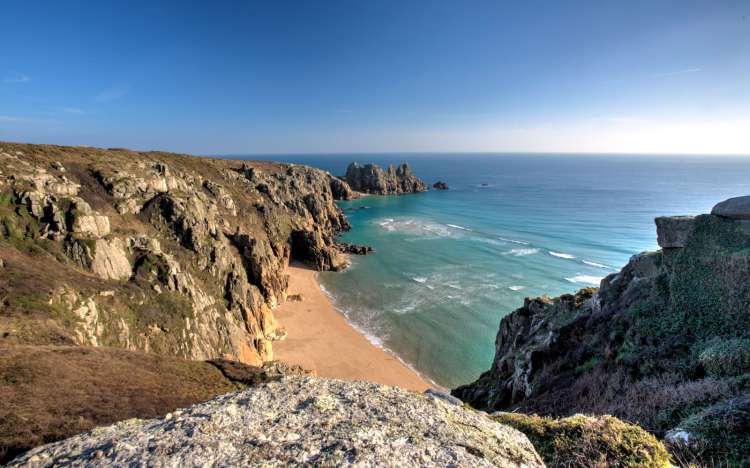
<point>449,265</point>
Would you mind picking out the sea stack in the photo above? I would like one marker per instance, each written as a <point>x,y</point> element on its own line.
<point>370,178</point>
<point>440,185</point>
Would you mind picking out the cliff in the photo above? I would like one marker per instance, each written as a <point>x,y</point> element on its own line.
<point>302,421</point>
<point>665,342</point>
<point>169,254</point>
<point>370,178</point>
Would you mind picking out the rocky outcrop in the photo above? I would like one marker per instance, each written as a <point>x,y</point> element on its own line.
<point>440,185</point>
<point>370,178</point>
<point>634,348</point>
<point>191,252</point>
<point>673,231</point>
<point>734,208</point>
<point>302,421</point>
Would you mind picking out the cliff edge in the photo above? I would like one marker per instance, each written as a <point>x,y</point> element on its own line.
<point>665,342</point>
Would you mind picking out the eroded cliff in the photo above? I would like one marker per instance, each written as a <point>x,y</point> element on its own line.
<point>170,254</point>
<point>665,342</point>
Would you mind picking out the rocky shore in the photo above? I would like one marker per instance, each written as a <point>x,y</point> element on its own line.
<point>664,342</point>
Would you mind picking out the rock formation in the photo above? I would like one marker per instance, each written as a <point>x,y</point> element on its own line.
<point>302,421</point>
<point>158,252</point>
<point>440,185</point>
<point>370,178</point>
<point>658,343</point>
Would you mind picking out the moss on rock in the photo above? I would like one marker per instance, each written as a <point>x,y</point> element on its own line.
<point>586,441</point>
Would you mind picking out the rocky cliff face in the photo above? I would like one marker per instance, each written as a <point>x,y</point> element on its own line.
<point>663,342</point>
<point>370,178</point>
<point>157,252</point>
<point>302,421</point>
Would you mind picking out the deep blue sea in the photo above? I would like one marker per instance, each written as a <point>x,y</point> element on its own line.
<point>450,264</point>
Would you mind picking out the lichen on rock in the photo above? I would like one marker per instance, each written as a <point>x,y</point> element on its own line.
<point>302,420</point>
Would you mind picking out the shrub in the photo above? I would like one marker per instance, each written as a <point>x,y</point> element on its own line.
<point>722,432</point>
<point>726,357</point>
<point>587,441</point>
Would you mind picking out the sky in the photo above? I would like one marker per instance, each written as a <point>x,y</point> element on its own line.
<point>247,77</point>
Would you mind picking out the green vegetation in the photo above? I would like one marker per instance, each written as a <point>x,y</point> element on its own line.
<point>721,433</point>
<point>726,358</point>
<point>586,441</point>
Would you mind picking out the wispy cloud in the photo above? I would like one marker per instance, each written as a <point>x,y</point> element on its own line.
<point>678,72</point>
<point>16,77</point>
<point>112,94</point>
<point>15,119</point>
<point>73,110</point>
<point>626,120</point>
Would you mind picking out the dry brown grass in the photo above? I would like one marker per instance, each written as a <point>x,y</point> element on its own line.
<point>52,392</point>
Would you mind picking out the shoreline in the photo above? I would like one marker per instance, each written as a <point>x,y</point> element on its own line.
<point>321,339</point>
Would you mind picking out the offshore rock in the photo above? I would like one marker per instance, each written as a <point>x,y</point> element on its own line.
<point>305,421</point>
<point>440,185</point>
<point>355,249</point>
<point>370,178</point>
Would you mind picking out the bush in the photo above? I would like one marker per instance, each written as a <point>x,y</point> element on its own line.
<point>586,441</point>
<point>721,432</point>
<point>726,357</point>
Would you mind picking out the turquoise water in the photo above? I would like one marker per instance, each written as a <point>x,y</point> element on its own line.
<point>450,264</point>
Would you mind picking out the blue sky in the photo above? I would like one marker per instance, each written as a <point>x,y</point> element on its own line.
<point>370,76</point>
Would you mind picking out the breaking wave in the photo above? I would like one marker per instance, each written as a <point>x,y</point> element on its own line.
<point>522,252</point>
<point>584,279</point>
<point>561,255</point>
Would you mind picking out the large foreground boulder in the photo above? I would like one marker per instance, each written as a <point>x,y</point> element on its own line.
<point>302,420</point>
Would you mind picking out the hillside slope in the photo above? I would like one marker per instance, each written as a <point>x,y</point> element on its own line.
<point>664,343</point>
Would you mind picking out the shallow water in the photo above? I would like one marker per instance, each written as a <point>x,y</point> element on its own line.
<point>450,264</point>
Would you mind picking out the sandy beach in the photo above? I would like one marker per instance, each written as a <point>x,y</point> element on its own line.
<point>319,338</point>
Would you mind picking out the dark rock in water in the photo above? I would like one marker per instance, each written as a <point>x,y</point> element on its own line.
<point>355,249</point>
<point>355,209</point>
<point>440,185</point>
<point>644,345</point>
<point>370,178</point>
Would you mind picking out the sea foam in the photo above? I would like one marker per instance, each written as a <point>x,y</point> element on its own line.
<point>516,288</point>
<point>521,252</point>
<point>585,279</point>
<point>561,255</point>
<point>597,265</point>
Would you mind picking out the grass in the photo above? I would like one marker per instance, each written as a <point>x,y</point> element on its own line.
<point>587,441</point>
<point>52,392</point>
